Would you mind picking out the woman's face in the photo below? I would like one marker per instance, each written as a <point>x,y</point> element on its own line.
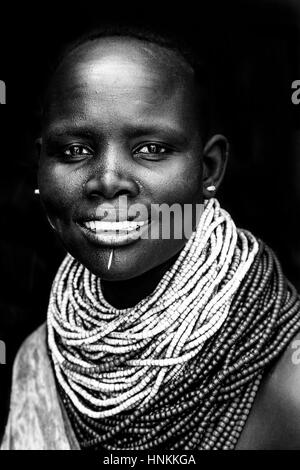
<point>121,120</point>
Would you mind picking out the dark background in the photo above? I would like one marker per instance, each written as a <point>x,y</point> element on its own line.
<point>255,49</point>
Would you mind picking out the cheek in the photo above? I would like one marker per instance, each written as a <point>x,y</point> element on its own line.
<point>58,189</point>
<point>180,183</point>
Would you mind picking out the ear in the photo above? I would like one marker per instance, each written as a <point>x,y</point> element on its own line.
<point>215,155</point>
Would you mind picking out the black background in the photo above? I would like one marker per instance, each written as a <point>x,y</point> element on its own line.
<point>255,47</point>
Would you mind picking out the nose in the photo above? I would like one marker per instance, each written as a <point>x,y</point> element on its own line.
<point>111,177</point>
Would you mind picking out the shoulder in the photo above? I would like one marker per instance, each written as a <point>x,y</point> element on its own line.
<point>35,419</point>
<point>283,385</point>
<point>34,338</point>
<point>30,354</point>
<point>274,421</point>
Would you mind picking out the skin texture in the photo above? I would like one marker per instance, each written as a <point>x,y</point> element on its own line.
<point>274,420</point>
<point>113,98</point>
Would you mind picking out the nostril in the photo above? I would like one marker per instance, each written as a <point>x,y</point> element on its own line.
<point>97,194</point>
<point>109,185</point>
<point>108,194</point>
<point>123,192</point>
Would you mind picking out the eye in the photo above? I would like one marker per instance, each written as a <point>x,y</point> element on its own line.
<point>77,151</point>
<point>152,150</point>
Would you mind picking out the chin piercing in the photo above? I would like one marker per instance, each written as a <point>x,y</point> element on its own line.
<point>110,259</point>
<point>36,191</point>
<point>211,188</point>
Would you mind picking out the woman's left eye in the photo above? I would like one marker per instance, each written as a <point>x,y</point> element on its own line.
<point>152,149</point>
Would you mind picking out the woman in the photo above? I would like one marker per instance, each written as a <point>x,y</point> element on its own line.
<point>165,342</point>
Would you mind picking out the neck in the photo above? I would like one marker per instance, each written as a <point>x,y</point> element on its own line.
<point>126,294</point>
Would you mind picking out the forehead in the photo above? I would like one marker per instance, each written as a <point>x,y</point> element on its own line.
<point>114,55</point>
<point>109,73</point>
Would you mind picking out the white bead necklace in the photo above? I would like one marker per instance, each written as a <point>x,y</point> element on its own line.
<point>157,337</point>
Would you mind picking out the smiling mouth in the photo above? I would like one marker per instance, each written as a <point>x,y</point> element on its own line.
<point>113,233</point>
<point>98,226</point>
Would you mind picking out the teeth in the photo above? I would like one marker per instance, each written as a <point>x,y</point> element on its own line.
<point>96,225</point>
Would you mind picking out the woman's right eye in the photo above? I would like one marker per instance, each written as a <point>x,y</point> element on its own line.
<point>76,151</point>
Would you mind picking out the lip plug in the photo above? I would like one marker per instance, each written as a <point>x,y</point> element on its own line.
<point>110,259</point>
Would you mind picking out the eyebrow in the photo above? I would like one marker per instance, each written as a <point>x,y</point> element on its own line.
<point>132,131</point>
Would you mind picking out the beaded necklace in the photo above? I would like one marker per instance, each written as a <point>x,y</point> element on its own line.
<point>180,369</point>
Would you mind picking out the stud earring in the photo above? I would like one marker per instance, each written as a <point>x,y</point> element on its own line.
<point>211,188</point>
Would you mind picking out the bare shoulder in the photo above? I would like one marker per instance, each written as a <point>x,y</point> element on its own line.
<point>274,421</point>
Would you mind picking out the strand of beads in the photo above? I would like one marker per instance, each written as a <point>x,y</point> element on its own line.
<point>207,406</point>
<point>160,335</point>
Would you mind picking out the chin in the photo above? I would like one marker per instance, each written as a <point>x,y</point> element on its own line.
<point>123,266</point>
<point>128,261</point>
<point>119,271</point>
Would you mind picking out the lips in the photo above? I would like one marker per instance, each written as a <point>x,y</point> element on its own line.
<point>112,233</point>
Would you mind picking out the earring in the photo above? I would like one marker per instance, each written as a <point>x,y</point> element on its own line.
<point>211,188</point>
<point>36,191</point>
<point>51,224</point>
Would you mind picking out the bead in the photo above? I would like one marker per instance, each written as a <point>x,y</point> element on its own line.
<point>182,368</point>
